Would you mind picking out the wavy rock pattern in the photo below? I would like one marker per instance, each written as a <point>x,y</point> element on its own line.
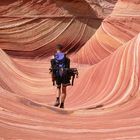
<point>118,28</point>
<point>104,102</point>
<point>38,25</point>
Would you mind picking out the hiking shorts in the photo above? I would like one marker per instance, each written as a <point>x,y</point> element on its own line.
<point>63,80</point>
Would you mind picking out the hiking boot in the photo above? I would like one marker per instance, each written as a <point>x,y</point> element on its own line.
<point>57,102</point>
<point>62,105</point>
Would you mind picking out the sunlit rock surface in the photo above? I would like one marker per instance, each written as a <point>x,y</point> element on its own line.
<point>118,28</point>
<point>104,102</point>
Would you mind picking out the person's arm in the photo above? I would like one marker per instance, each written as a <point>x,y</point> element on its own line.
<point>67,62</point>
<point>52,61</point>
<point>52,70</point>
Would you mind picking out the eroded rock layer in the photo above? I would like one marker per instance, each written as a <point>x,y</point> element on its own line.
<point>30,27</point>
<point>118,28</point>
<point>104,102</point>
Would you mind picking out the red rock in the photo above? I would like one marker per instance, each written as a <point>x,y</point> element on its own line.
<point>104,102</point>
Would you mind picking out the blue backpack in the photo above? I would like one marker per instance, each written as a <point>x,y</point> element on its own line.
<point>60,60</point>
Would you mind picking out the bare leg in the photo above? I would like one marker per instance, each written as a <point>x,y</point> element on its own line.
<point>58,96</point>
<point>63,96</point>
<point>58,92</point>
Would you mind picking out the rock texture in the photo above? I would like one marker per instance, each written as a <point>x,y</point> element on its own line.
<point>122,25</point>
<point>104,102</point>
<point>30,27</point>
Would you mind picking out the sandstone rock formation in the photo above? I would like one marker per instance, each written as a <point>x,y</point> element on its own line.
<point>104,102</point>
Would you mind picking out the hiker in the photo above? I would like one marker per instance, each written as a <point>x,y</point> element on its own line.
<point>60,64</point>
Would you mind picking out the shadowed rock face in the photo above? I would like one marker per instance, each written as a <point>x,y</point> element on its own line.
<point>37,26</point>
<point>104,102</point>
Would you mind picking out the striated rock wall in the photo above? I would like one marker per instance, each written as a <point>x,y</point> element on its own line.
<point>115,30</point>
<point>104,102</point>
<point>35,26</point>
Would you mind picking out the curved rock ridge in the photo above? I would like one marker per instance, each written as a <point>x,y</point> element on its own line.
<point>104,102</point>
<point>27,8</point>
<point>104,94</point>
<point>118,28</point>
<point>36,26</point>
<point>111,82</point>
<point>38,37</point>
